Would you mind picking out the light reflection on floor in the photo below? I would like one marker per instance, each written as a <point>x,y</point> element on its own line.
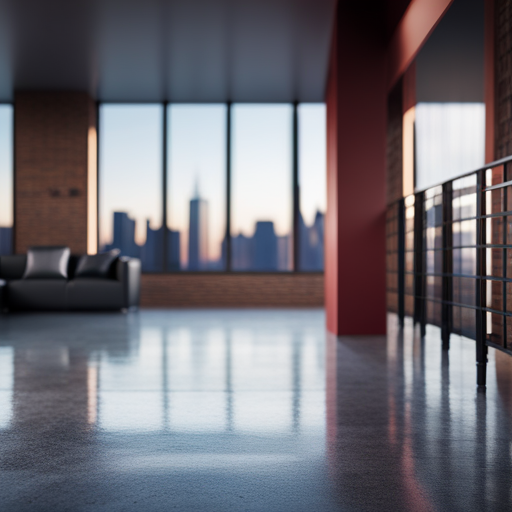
<point>246,410</point>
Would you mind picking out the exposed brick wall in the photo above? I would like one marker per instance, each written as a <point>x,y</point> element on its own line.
<point>50,152</point>
<point>503,78</point>
<point>394,145</point>
<point>232,290</point>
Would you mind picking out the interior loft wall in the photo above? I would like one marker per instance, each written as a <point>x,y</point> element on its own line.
<point>451,62</point>
<point>394,178</point>
<point>51,160</point>
<point>502,18</point>
<point>51,132</point>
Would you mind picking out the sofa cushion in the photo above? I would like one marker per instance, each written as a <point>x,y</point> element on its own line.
<point>96,265</point>
<point>47,263</point>
<point>13,266</point>
<point>91,293</point>
<point>49,294</point>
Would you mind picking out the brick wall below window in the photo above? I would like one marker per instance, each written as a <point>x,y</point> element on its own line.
<point>232,290</point>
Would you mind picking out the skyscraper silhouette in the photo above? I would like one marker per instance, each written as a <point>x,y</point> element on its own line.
<point>151,253</point>
<point>311,243</point>
<point>265,246</point>
<point>198,234</point>
<point>5,241</point>
<point>124,235</point>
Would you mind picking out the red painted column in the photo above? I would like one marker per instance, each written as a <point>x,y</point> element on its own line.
<point>356,196</point>
<point>489,80</point>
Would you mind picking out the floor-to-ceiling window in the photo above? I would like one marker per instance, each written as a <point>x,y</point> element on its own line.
<point>130,149</point>
<point>196,186</point>
<point>238,187</point>
<point>6,179</point>
<point>312,185</point>
<point>261,222</point>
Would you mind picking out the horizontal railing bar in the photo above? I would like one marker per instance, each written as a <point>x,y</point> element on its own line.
<point>499,185</point>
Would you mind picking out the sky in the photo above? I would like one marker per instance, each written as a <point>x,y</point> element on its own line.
<point>197,158</point>
<point>261,167</point>
<point>130,166</point>
<point>6,163</point>
<point>312,160</point>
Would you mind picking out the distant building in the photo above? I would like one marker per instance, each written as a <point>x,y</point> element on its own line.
<point>284,252</point>
<point>198,234</point>
<point>151,253</point>
<point>265,246</point>
<point>173,250</point>
<point>5,241</point>
<point>311,244</point>
<point>241,252</point>
<point>124,236</point>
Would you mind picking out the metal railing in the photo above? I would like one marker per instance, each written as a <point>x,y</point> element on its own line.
<point>449,259</point>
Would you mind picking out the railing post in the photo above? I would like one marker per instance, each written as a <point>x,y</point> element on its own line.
<point>446,316</point>
<point>419,263</point>
<point>401,262</point>
<point>481,347</point>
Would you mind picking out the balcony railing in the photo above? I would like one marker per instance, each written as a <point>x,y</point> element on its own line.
<point>449,259</point>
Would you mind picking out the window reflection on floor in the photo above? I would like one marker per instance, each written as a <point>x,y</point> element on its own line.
<point>215,377</point>
<point>6,381</point>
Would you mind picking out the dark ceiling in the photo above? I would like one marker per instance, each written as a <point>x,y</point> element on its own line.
<point>178,50</point>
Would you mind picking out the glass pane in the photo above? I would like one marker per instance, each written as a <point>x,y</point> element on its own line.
<point>131,182</point>
<point>261,219</point>
<point>494,231</point>
<point>494,176</point>
<point>464,261</point>
<point>494,262</point>
<point>509,298</point>
<point>449,140</point>
<point>312,185</point>
<point>464,197</point>
<point>494,295</point>
<point>6,185</point>
<point>494,201</point>
<point>495,328</point>
<point>196,186</point>
<point>464,291</point>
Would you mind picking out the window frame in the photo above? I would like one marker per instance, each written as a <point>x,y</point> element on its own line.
<point>229,147</point>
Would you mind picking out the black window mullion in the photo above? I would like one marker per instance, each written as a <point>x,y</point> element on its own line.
<point>296,190</point>
<point>164,192</point>
<point>228,188</point>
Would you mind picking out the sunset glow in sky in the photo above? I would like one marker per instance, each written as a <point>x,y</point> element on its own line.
<point>6,152</point>
<point>131,154</point>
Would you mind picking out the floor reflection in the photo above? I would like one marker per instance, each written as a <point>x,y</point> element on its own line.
<point>169,372</point>
<point>246,410</point>
<point>412,431</point>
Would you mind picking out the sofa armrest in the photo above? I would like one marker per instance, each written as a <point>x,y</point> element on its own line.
<point>128,272</point>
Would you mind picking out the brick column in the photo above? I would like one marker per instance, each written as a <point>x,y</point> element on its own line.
<point>52,133</point>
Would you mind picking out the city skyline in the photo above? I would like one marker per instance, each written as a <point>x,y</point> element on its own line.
<point>264,251</point>
<point>131,165</point>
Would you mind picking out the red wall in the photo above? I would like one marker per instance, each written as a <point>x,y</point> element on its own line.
<point>356,143</point>
<point>363,68</point>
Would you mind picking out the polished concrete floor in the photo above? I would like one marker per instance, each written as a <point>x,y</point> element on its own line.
<point>246,411</point>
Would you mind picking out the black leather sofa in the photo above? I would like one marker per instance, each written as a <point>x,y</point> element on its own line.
<point>119,290</point>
